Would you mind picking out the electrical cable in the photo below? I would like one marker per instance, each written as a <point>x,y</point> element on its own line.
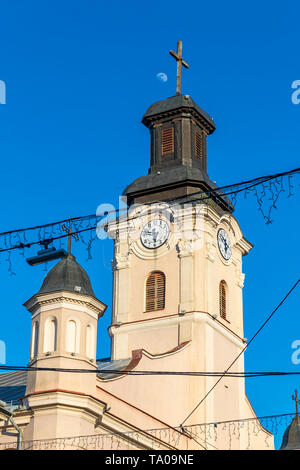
<point>251,183</point>
<point>149,372</point>
<point>243,350</point>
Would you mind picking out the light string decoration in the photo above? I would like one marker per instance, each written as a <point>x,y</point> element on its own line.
<point>22,240</point>
<point>223,435</point>
<point>266,191</point>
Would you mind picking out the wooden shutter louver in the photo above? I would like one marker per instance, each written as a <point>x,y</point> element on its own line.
<point>222,294</point>
<point>167,141</point>
<point>155,291</point>
<point>198,145</point>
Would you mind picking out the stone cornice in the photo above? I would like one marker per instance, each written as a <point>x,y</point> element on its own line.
<point>183,112</point>
<point>244,246</point>
<point>40,300</point>
<point>58,397</point>
<point>175,319</point>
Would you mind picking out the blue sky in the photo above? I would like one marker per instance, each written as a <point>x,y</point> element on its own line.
<point>80,75</point>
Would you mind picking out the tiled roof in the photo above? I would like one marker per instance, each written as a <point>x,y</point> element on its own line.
<point>103,366</point>
<point>12,386</point>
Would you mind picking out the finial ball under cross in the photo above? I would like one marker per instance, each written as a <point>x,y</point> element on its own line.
<point>180,62</point>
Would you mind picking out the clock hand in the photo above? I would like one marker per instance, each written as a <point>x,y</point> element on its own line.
<point>154,233</point>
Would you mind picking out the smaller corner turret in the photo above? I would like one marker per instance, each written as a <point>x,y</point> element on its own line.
<point>64,313</point>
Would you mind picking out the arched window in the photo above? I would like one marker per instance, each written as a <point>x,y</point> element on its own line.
<point>34,339</point>
<point>71,339</point>
<point>223,299</point>
<point>50,335</point>
<point>155,291</point>
<point>90,342</point>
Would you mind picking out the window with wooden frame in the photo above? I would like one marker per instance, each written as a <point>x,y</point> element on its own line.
<point>198,144</point>
<point>167,141</point>
<point>223,299</point>
<point>155,291</point>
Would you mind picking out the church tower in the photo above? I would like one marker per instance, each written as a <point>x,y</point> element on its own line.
<point>178,252</point>
<point>178,277</point>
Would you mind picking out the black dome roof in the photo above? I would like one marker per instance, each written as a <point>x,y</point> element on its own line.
<point>291,437</point>
<point>174,103</point>
<point>67,275</point>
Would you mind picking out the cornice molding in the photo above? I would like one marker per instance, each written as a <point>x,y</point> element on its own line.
<point>176,319</point>
<point>41,401</point>
<point>36,302</point>
<point>182,112</point>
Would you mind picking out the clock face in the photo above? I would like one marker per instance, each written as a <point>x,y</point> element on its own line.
<point>224,244</point>
<point>155,233</point>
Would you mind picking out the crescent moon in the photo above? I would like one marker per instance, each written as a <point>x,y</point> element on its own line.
<point>162,77</point>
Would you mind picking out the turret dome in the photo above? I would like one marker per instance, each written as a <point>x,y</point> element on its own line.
<point>291,438</point>
<point>67,275</point>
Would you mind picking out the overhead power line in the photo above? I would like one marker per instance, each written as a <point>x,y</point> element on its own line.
<point>242,352</point>
<point>232,189</point>
<point>148,372</point>
<point>21,245</point>
<point>238,187</point>
<point>49,224</point>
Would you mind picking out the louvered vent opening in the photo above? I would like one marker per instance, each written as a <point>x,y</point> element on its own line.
<point>167,141</point>
<point>155,291</point>
<point>222,294</point>
<point>198,144</point>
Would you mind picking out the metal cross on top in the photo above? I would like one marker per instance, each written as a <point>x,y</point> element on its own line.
<point>180,62</point>
<point>68,229</point>
<point>297,400</point>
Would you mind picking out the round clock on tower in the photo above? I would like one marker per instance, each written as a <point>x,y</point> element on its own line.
<point>155,233</point>
<point>224,244</point>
